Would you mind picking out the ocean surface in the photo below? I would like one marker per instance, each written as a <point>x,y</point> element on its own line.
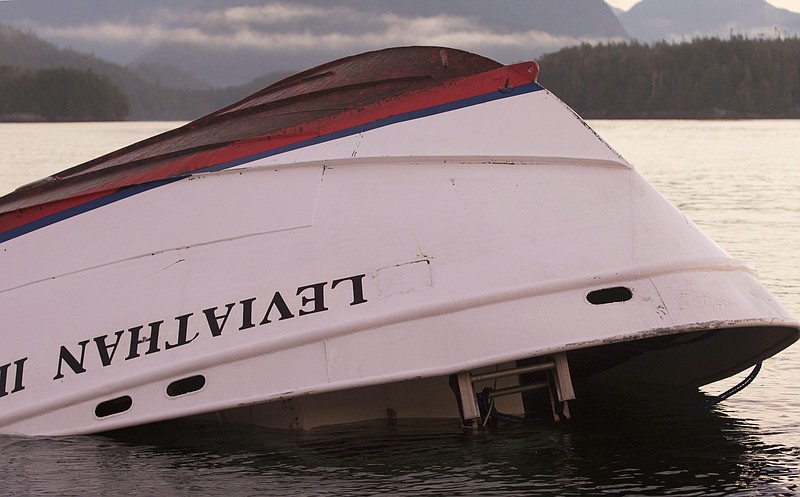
<point>738,180</point>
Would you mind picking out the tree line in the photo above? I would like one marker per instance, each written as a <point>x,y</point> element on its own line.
<point>59,94</point>
<point>147,99</point>
<point>704,78</point>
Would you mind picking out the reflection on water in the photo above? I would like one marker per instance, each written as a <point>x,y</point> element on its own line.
<point>623,447</point>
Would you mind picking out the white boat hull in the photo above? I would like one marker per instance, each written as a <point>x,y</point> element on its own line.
<point>351,277</point>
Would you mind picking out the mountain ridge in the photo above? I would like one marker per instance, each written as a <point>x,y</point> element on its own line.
<point>147,100</point>
<point>222,43</point>
<point>157,89</point>
<point>677,20</point>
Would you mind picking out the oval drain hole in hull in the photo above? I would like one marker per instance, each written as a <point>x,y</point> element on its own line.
<point>113,406</point>
<point>610,295</point>
<point>186,385</point>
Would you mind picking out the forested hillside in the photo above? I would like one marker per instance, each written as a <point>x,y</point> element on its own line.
<point>61,94</point>
<point>706,78</point>
<point>146,100</point>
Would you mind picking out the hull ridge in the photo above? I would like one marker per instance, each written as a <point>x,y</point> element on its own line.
<point>382,236</point>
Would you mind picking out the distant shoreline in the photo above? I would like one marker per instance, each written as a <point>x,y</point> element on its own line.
<point>36,118</point>
<point>589,117</point>
<point>698,116</point>
<point>707,78</point>
<point>710,115</point>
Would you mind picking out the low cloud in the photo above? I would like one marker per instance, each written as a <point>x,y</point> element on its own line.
<point>269,15</point>
<point>104,32</point>
<point>282,27</point>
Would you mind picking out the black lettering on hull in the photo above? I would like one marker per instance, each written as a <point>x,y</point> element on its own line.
<point>143,340</point>
<point>6,373</point>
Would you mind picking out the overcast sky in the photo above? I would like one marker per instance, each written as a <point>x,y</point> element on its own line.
<point>245,26</point>
<point>793,5</point>
<point>282,28</point>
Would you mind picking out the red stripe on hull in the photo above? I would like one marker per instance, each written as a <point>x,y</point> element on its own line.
<point>143,163</point>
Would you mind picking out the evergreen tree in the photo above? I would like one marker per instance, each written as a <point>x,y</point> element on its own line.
<point>60,94</point>
<point>707,77</point>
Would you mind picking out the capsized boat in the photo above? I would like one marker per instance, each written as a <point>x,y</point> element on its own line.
<point>410,232</point>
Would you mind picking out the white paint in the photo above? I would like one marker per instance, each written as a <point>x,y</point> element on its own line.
<point>469,261</point>
<point>535,124</point>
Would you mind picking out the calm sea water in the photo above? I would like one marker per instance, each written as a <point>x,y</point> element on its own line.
<point>739,180</point>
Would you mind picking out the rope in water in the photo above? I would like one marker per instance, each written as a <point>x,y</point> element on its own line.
<point>488,410</point>
<point>714,400</point>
